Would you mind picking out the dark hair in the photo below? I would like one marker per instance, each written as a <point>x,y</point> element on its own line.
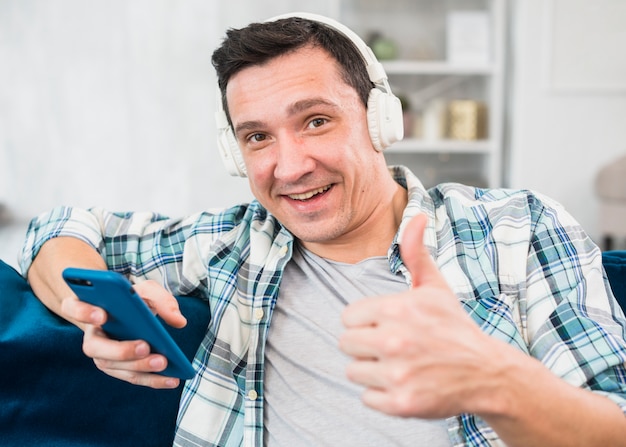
<point>259,43</point>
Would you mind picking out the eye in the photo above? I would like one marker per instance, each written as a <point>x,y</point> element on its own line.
<point>257,138</point>
<point>317,122</point>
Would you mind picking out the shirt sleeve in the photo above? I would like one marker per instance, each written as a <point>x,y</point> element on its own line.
<point>576,328</point>
<point>140,245</point>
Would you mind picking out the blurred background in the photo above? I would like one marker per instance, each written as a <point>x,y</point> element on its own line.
<point>111,102</point>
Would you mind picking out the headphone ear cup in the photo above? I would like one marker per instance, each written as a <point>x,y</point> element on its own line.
<point>384,119</point>
<point>228,148</point>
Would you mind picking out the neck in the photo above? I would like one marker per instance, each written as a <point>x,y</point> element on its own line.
<point>373,237</point>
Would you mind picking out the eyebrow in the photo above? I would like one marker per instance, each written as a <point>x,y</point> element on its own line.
<point>248,125</point>
<point>305,104</point>
<point>293,109</point>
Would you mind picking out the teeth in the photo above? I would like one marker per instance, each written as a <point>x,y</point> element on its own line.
<point>309,194</point>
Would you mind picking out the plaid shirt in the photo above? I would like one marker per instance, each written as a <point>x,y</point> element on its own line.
<point>520,265</point>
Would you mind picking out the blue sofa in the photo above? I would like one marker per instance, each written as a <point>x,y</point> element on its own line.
<point>52,395</point>
<point>615,266</point>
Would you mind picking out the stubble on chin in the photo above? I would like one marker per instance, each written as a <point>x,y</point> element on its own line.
<point>320,231</point>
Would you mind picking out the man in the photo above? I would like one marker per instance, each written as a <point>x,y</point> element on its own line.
<point>469,317</point>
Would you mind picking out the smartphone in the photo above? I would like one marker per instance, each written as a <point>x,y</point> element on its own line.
<point>129,317</point>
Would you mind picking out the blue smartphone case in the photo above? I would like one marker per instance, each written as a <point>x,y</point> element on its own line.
<point>129,318</point>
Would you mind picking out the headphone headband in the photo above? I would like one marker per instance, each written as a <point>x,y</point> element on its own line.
<point>375,69</point>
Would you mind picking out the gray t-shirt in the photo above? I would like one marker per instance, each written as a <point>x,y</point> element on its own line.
<point>308,399</point>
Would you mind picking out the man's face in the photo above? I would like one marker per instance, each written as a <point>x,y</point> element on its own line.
<point>304,139</point>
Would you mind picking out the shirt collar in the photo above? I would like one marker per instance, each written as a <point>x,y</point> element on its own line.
<point>419,201</point>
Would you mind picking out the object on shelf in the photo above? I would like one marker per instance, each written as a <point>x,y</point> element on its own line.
<point>434,120</point>
<point>417,128</point>
<point>384,48</point>
<point>467,120</point>
<point>468,39</point>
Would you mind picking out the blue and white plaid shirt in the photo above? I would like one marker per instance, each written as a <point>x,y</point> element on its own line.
<point>520,265</point>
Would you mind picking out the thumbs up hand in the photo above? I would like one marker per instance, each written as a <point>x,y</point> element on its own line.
<point>418,353</point>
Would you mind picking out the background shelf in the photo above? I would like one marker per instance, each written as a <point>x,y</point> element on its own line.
<point>438,55</point>
<point>417,145</point>
<point>408,67</point>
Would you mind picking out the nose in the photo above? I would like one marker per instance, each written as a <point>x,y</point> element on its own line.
<point>293,158</point>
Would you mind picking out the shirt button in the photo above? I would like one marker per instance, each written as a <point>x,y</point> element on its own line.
<point>283,251</point>
<point>252,395</point>
<point>258,314</point>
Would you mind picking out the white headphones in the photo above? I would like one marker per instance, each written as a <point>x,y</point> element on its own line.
<point>384,111</point>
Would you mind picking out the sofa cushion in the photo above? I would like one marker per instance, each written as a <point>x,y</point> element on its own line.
<point>51,394</point>
<point>614,262</point>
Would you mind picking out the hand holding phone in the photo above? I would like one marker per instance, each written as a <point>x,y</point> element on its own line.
<point>129,318</point>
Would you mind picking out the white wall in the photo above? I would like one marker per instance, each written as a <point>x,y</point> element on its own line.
<point>110,103</point>
<point>561,134</point>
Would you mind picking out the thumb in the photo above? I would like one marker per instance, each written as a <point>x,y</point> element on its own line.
<point>416,256</point>
<point>161,302</point>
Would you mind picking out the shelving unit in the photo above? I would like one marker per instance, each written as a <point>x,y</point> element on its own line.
<point>424,75</point>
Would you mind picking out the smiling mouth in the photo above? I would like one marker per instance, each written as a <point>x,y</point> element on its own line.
<point>307,195</point>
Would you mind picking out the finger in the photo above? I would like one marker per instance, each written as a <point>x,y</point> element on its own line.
<point>420,402</point>
<point>395,400</point>
<point>161,302</point>
<point>416,256</point>
<point>391,403</point>
<point>81,312</point>
<point>376,310</point>
<point>360,343</point>
<point>126,360</point>
<point>144,367</point>
<point>363,312</point>
<point>368,373</point>
<point>392,339</point>
<point>137,374</point>
<point>382,380</point>
<point>149,380</point>
<point>96,344</point>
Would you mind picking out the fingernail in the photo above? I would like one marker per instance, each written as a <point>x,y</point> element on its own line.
<point>157,362</point>
<point>172,383</point>
<point>96,317</point>
<point>142,349</point>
